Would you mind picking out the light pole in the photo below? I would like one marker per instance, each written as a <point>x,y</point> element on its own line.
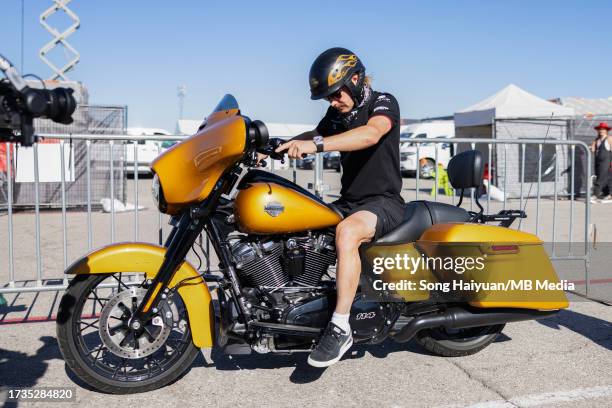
<point>181,93</point>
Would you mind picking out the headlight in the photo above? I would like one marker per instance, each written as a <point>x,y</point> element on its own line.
<point>158,194</point>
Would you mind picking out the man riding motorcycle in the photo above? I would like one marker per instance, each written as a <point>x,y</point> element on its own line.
<point>363,125</point>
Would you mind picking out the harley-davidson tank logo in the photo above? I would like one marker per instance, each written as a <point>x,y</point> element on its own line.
<point>274,208</point>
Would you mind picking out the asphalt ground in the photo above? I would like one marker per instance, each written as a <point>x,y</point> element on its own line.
<point>561,361</point>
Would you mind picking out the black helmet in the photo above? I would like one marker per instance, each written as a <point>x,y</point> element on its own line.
<point>334,69</point>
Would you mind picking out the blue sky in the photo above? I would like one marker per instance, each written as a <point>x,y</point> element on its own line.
<point>435,56</point>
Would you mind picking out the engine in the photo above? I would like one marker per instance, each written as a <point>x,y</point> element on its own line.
<point>283,283</point>
<point>271,263</point>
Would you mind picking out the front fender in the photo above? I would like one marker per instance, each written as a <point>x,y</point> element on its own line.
<point>147,258</point>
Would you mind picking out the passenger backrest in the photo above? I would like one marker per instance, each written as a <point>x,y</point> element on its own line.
<point>466,170</point>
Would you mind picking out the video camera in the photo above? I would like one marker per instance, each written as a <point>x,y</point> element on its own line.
<point>20,104</point>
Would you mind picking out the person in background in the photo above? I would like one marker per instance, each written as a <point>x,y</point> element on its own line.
<point>601,148</point>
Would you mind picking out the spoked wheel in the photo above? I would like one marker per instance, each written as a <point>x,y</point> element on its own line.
<point>458,342</point>
<point>102,350</point>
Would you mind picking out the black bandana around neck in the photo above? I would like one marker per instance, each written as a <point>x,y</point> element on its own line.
<point>366,93</point>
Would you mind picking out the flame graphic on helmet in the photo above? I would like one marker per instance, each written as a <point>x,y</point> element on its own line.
<point>343,63</point>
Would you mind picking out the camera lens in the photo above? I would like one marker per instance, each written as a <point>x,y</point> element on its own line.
<point>57,104</point>
<point>62,106</point>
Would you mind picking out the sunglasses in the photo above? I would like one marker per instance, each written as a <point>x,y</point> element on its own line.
<point>335,96</point>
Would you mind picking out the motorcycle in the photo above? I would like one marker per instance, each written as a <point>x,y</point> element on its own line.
<point>136,314</point>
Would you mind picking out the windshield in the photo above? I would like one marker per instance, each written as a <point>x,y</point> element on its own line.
<point>228,102</point>
<point>228,105</point>
<point>406,135</point>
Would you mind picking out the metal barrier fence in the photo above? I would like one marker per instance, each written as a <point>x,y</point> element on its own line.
<point>110,149</point>
<point>561,147</point>
<point>522,144</point>
<point>569,245</point>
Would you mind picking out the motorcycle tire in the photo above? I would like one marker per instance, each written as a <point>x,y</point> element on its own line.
<point>458,343</point>
<point>70,309</point>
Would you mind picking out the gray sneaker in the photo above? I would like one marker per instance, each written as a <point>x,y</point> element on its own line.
<point>332,346</point>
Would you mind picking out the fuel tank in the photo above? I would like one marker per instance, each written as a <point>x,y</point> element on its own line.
<point>269,204</point>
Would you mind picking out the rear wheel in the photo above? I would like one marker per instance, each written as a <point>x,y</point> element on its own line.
<point>458,342</point>
<point>103,351</point>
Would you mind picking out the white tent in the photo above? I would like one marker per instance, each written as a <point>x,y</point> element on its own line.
<point>187,126</point>
<point>510,102</point>
<point>588,106</point>
<point>513,113</point>
<point>287,130</point>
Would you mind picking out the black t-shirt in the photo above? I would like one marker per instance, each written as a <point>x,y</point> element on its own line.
<point>374,171</point>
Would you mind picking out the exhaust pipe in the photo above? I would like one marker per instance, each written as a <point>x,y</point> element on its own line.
<point>460,318</point>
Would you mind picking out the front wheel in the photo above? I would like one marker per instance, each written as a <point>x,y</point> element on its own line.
<point>102,350</point>
<point>458,342</point>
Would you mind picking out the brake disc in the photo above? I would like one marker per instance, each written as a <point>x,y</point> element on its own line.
<point>127,343</point>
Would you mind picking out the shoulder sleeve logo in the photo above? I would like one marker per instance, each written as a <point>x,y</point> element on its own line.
<point>343,63</point>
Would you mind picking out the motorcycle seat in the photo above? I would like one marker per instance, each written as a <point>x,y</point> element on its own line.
<point>420,215</point>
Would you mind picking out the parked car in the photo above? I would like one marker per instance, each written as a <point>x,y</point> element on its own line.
<point>307,163</point>
<point>331,160</point>
<point>166,144</point>
<point>427,151</point>
<point>148,150</point>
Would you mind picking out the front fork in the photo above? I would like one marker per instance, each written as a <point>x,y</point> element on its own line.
<point>182,237</point>
<point>180,240</point>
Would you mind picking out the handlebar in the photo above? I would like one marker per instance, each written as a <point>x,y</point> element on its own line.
<point>270,149</point>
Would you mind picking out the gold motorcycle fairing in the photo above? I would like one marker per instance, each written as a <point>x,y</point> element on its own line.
<point>189,170</point>
<point>147,258</point>
<point>269,208</point>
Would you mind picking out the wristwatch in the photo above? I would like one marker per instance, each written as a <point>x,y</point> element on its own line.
<point>318,141</point>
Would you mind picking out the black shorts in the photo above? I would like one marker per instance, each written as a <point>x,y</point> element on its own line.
<point>389,211</point>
